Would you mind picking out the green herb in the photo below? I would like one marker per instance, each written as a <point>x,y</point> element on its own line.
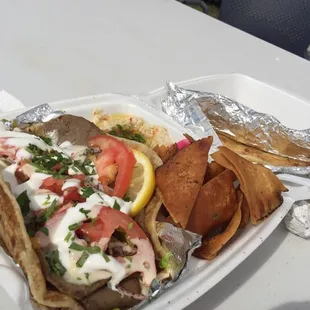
<point>106,257</point>
<point>54,263</point>
<point>81,166</point>
<point>130,226</point>
<point>24,203</point>
<point>129,134</point>
<point>86,275</point>
<point>126,198</point>
<point>78,247</point>
<point>78,278</point>
<point>4,120</point>
<point>74,205</point>
<point>85,212</point>
<point>47,201</point>
<point>67,238</point>
<point>116,309</point>
<point>47,213</point>
<point>93,250</point>
<point>93,221</point>
<point>74,169</point>
<point>47,140</point>
<point>116,206</point>
<point>44,230</point>
<point>129,258</point>
<point>128,266</point>
<point>74,226</point>
<point>87,192</point>
<point>164,262</point>
<point>80,263</point>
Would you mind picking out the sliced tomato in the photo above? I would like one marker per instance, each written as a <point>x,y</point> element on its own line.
<point>108,221</point>
<point>54,185</point>
<point>72,194</point>
<point>7,150</point>
<point>91,231</point>
<point>114,154</point>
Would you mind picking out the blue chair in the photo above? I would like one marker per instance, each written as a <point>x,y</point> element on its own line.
<point>284,23</point>
<point>200,3</point>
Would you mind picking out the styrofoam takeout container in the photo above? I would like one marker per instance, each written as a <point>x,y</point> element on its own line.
<point>201,275</point>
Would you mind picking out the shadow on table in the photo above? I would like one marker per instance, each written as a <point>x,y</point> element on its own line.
<point>303,305</point>
<point>242,273</point>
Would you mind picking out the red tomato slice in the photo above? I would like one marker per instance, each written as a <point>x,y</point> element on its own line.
<point>7,150</point>
<point>54,185</point>
<point>72,194</point>
<point>113,152</point>
<point>108,221</point>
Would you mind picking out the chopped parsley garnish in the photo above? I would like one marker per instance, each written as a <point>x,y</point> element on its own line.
<point>44,230</point>
<point>106,257</point>
<point>120,131</point>
<point>76,247</point>
<point>78,278</point>
<point>86,275</point>
<point>47,201</point>
<point>80,263</point>
<point>47,213</point>
<point>67,238</point>
<point>74,226</point>
<point>85,212</point>
<point>54,263</point>
<point>56,163</point>
<point>129,258</point>
<point>47,140</point>
<point>116,206</point>
<point>130,226</point>
<point>164,262</point>
<point>87,192</point>
<point>92,250</point>
<point>23,202</point>
<point>82,166</point>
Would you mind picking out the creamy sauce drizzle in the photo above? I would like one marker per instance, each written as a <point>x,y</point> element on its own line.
<point>96,267</point>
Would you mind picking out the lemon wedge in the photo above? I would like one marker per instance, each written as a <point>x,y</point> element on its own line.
<point>142,183</point>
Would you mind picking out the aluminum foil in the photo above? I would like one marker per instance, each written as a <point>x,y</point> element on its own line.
<point>297,220</point>
<point>38,114</point>
<point>240,122</point>
<point>180,242</point>
<point>258,129</point>
<point>182,106</point>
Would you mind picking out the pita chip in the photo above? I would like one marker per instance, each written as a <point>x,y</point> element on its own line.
<point>181,177</point>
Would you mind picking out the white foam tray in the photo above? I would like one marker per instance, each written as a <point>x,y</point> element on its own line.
<point>203,275</point>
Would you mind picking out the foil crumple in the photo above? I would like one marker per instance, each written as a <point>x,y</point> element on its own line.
<point>251,127</point>
<point>240,122</point>
<point>297,221</point>
<point>182,244</point>
<point>178,241</point>
<point>38,114</point>
<point>182,106</point>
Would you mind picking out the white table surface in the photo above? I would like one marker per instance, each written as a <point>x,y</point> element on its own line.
<point>51,50</point>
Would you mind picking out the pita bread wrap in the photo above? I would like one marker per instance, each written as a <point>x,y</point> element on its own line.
<point>14,236</point>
